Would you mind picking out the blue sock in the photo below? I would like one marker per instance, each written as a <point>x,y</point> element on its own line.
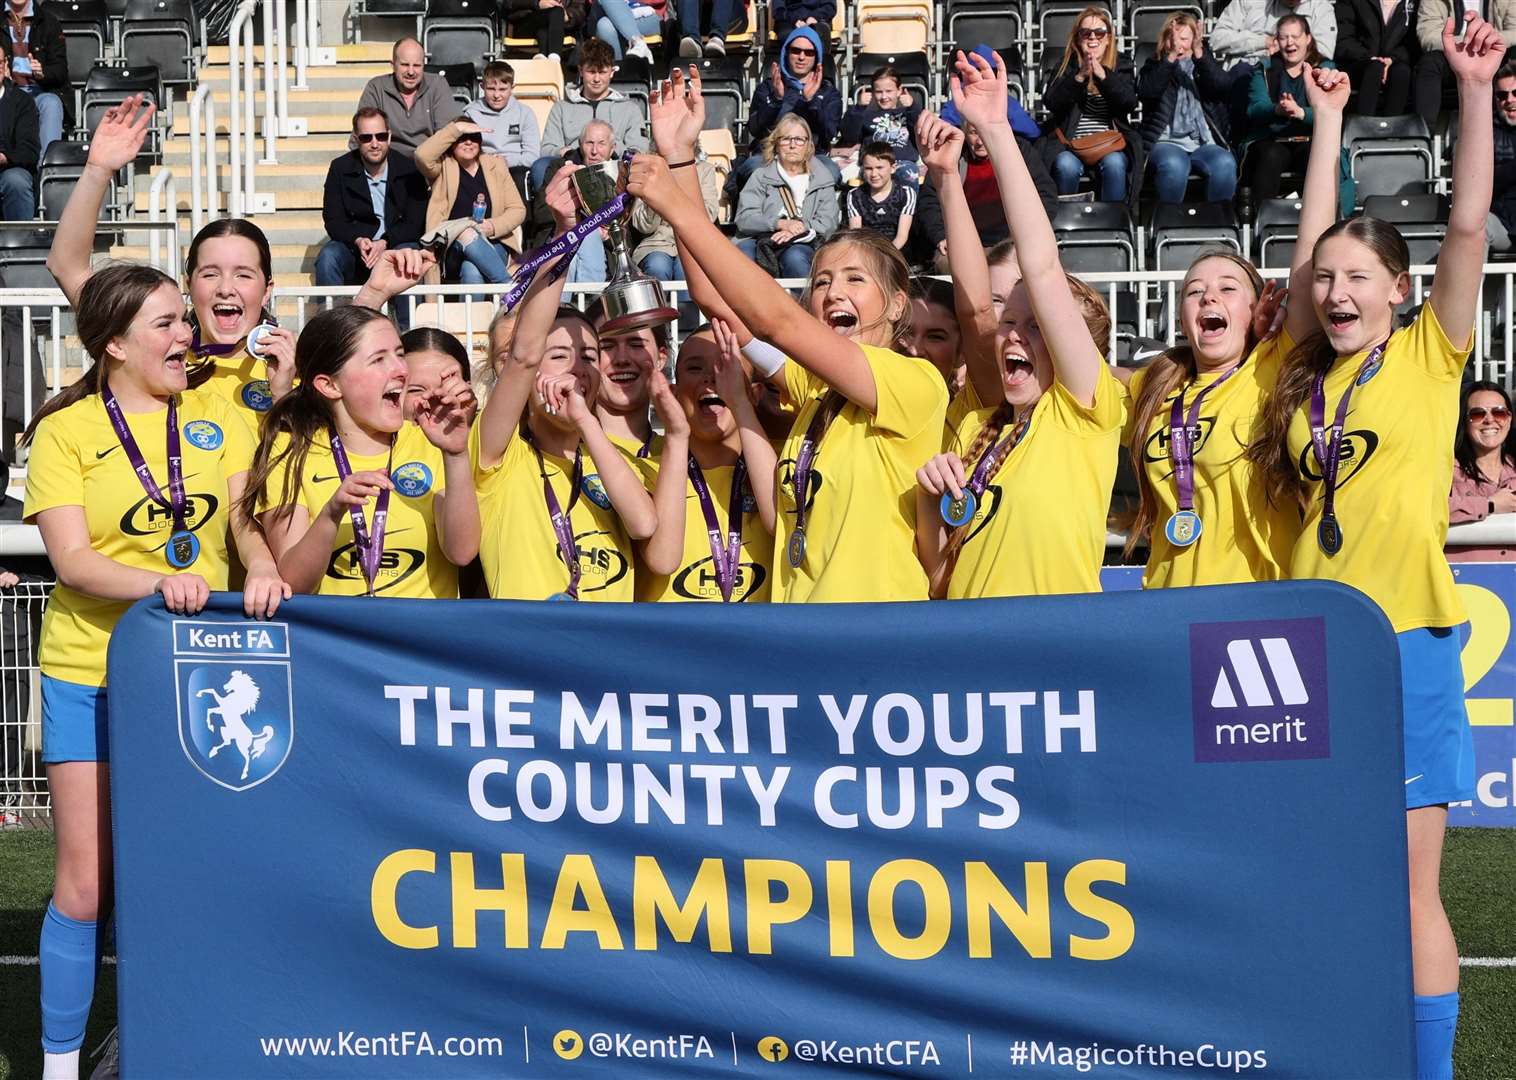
<point>69,956</point>
<point>1436,1020</point>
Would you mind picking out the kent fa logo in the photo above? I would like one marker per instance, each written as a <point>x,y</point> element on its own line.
<point>1259,690</point>
<point>236,714</point>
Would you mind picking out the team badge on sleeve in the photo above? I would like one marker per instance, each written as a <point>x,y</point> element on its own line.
<point>203,434</point>
<point>595,491</point>
<point>413,479</point>
<point>257,396</point>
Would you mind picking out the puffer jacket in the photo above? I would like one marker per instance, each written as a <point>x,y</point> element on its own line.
<point>1158,86</point>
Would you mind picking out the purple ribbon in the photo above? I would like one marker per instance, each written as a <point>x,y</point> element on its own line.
<point>1327,442</point>
<point>805,458</point>
<point>176,502</point>
<point>1181,427</point>
<point>726,557</point>
<point>370,546</point>
<point>558,517</point>
<point>994,456</point>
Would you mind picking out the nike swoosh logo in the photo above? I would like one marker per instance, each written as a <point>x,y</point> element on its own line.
<point>322,479</point>
<point>101,453</point>
<point>1415,778</point>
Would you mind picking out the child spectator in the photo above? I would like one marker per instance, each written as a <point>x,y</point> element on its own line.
<point>885,118</point>
<point>880,203</point>
<point>510,128</point>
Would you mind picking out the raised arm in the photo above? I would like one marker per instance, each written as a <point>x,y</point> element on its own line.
<point>757,452</point>
<point>445,418</point>
<point>1460,264</point>
<point>115,144</point>
<point>1327,92</point>
<point>979,91</point>
<point>664,550</point>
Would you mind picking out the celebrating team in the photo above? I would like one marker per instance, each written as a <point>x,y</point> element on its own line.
<point>214,450</point>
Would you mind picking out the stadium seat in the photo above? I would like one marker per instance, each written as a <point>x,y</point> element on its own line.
<point>61,166</point>
<point>1055,18</point>
<point>462,78</point>
<point>893,26</point>
<point>994,23</point>
<point>539,83</point>
<point>1389,155</point>
<point>1276,226</point>
<point>725,90</point>
<point>161,33</point>
<point>459,32</point>
<point>1183,231</point>
<point>721,151</point>
<point>1095,237</point>
<point>915,70</point>
<point>23,252</point>
<point>86,31</point>
<point>1421,219</point>
<point>1145,18</point>
<point>414,10</point>
<point>109,85</point>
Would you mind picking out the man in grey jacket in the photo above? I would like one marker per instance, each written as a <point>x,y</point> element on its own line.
<point>417,105</point>
<point>592,99</point>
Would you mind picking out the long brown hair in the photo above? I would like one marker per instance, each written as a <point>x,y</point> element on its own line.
<point>108,303</point>
<point>325,345</point>
<point>1172,369</point>
<point>1314,356</point>
<point>1071,47</point>
<point>892,272</point>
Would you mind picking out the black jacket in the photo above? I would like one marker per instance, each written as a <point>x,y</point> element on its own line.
<point>822,112</point>
<point>1158,86</point>
<point>348,211</point>
<point>1362,33</point>
<point>45,40</point>
<point>1504,201</point>
<point>20,140</point>
<point>1064,101</point>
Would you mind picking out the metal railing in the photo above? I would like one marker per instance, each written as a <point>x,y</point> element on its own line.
<point>164,183</point>
<point>204,198</point>
<point>241,197</point>
<point>24,798</point>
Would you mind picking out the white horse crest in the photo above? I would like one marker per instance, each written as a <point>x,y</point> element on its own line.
<point>238,699</point>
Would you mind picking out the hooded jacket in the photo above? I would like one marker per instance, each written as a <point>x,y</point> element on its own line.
<point>1245,27</point>
<point>510,132</point>
<point>822,111</point>
<point>409,128</point>
<point>567,119</point>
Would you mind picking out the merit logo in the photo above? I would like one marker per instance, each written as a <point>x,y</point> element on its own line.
<point>1259,690</point>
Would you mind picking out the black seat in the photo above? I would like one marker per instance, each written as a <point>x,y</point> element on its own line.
<point>1276,226</point>
<point>86,30</point>
<point>1389,155</point>
<point>459,32</point>
<point>1055,19</point>
<point>1183,231</point>
<point>725,88</point>
<point>1422,221</point>
<point>984,22</point>
<point>915,71</point>
<point>161,32</point>
<point>61,166</point>
<point>1095,237</point>
<point>1145,18</point>
<point>109,85</point>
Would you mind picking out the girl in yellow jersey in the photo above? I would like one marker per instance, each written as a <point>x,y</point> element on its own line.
<point>715,481</point>
<point>132,481</point>
<point>561,503</point>
<point>866,413</point>
<point>1018,503</point>
<point>1360,431</point>
<point>1203,509</point>
<point>355,499</point>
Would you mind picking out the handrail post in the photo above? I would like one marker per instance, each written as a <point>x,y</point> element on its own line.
<point>212,181</point>
<point>302,43</point>
<point>163,180</point>
<point>234,117</point>
<point>197,133</point>
<point>249,130</point>
<point>270,92</point>
<point>281,59</point>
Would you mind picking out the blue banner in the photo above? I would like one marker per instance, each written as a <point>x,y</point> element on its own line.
<point>1488,592</point>
<point>1134,835</point>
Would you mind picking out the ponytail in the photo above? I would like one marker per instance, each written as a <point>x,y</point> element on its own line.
<point>987,437</point>
<point>1164,376</point>
<point>1270,448</point>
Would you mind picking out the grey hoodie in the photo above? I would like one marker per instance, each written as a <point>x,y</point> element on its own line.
<point>511,132</point>
<point>570,115</point>
<point>432,110</point>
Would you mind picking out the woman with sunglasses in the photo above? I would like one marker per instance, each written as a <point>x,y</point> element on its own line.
<point>1089,103</point>
<point>474,208</point>
<point>1484,466</point>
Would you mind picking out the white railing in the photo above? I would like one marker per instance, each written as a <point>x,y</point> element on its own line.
<point>204,196</point>
<point>164,182</point>
<point>304,42</point>
<point>240,119</point>
<point>270,84</point>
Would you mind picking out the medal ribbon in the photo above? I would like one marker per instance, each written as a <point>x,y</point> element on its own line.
<point>370,546</point>
<point>558,517</point>
<point>1181,450</point>
<point>176,502</point>
<point>1327,442</point>
<point>725,557</point>
<point>995,456</point>
<point>800,480</point>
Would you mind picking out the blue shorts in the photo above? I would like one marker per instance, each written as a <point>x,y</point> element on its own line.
<point>1439,746</point>
<point>74,724</point>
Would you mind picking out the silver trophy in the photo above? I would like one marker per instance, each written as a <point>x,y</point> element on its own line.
<point>632,300</point>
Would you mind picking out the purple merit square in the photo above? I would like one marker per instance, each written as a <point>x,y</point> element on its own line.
<point>1259,690</point>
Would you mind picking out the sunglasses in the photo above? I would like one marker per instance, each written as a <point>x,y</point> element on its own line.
<point>1093,31</point>
<point>373,136</point>
<point>1502,94</point>
<point>797,51</point>
<point>1479,412</point>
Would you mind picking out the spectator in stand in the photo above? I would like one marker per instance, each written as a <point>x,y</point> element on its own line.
<point>549,21</point>
<point>37,56</point>
<point>881,203</point>
<point>1375,47</point>
<point>18,152</point>
<point>1089,101</point>
<point>619,21</point>
<point>1246,29</point>
<point>1431,73</point>
<point>510,128</point>
<point>374,201</point>
<point>1502,225</point>
<point>1278,136</point>
<point>1021,121</point>
<point>887,118</point>
<point>474,207</point>
<point>597,145</point>
<point>1484,467</point>
<point>1184,95</point>
<point>795,87</point>
<point>657,255</point>
<point>793,14</point>
<point>416,104</point>
<point>789,205</point>
<point>717,18</point>
<point>592,99</point>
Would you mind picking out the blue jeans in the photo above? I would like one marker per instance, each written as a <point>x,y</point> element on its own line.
<point>589,263</point>
<point>617,24</point>
<point>482,261</point>
<point>721,12</point>
<point>1110,174</point>
<point>794,259</point>
<point>664,267</point>
<point>338,264</point>
<point>18,194</point>
<point>1171,171</point>
<point>50,117</point>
